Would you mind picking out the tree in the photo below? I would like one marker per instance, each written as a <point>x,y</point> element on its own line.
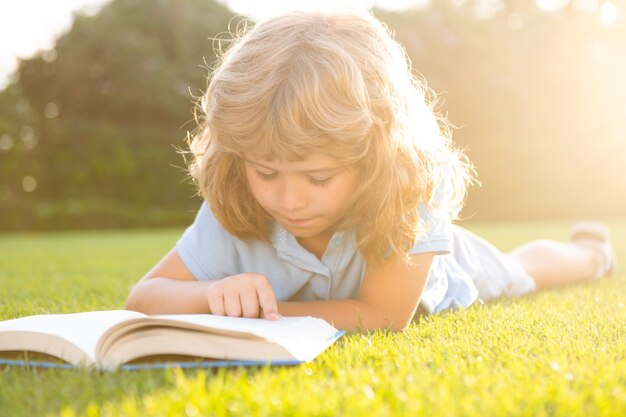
<point>102,113</point>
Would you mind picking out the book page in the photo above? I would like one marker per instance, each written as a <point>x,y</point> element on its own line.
<point>291,339</point>
<point>81,329</point>
<point>284,328</point>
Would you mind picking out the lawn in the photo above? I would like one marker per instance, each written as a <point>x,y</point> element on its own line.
<point>556,353</point>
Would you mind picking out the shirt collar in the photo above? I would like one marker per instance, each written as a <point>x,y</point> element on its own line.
<point>288,248</point>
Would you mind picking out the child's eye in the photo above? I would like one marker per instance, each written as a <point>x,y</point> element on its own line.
<point>320,182</point>
<point>266,176</point>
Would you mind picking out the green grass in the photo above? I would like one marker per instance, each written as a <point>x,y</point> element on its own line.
<point>555,353</point>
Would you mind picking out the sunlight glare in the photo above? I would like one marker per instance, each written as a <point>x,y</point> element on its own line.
<point>29,184</point>
<point>551,5</point>
<point>608,13</point>
<point>587,6</point>
<point>6,143</point>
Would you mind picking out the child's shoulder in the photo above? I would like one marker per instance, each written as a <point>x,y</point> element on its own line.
<point>205,218</point>
<point>206,230</point>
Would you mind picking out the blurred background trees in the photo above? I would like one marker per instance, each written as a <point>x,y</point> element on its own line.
<point>89,129</point>
<point>539,99</point>
<point>94,123</point>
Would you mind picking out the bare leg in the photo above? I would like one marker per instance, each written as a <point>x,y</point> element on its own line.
<point>555,264</point>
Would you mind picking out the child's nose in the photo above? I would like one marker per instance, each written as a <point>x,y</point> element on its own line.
<point>293,196</point>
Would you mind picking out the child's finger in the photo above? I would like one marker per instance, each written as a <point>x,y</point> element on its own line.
<point>249,303</point>
<point>232,304</point>
<point>267,302</point>
<point>216,302</point>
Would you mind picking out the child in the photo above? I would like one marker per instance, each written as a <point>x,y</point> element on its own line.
<point>330,187</point>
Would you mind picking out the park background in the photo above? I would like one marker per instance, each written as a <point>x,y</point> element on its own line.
<point>91,128</point>
<point>89,132</point>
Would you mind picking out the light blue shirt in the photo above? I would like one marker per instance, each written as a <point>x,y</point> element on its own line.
<point>211,253</point>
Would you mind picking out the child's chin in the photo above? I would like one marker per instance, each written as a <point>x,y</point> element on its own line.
<point>302,231</point>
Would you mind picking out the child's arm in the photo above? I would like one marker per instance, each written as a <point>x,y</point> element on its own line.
<point>170,288</point>
<point>388,298</point>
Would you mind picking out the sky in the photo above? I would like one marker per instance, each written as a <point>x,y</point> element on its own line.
<point>27,26</point>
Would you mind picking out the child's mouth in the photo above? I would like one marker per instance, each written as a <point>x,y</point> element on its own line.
<point>296,221</point>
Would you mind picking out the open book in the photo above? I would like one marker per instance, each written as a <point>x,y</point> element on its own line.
<point>130,340</point>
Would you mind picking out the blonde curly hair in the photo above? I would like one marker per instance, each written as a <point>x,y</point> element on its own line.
<point>337,84</point>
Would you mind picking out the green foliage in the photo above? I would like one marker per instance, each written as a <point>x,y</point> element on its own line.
<point>135,61</point>
<point>97,121</point>
<point>556,353</point>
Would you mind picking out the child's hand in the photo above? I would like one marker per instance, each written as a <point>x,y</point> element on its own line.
<point>243,295</point>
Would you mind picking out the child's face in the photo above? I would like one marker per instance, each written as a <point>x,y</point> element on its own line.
<point>306,197</point>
